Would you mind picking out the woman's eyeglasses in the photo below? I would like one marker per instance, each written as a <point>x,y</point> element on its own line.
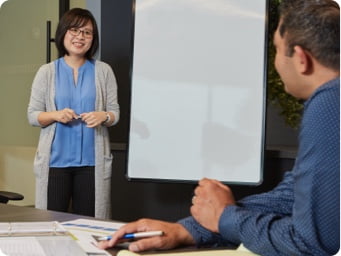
<point>76,32</point>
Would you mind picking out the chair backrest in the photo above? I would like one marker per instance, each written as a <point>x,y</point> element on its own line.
<point>5,196</point>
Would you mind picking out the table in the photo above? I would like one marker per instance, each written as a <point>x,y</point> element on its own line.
<point>13,213</point>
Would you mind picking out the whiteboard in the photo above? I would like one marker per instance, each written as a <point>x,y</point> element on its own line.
<point>198,90</point>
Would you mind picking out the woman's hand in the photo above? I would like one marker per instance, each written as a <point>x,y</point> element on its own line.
<point>65,115</point>
<point>94,119</point>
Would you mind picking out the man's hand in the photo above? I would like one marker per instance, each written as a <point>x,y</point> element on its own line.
<point>174,235</point>
<point>210,199</point>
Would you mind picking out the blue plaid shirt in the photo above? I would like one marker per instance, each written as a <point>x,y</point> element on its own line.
<point>301,216</point>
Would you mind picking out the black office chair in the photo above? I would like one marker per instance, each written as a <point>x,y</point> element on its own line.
<point>5,196</point>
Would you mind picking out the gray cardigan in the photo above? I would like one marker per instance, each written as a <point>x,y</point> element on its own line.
<point>42,100</point>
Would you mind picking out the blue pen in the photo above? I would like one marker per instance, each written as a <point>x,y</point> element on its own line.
<point>134,235</point>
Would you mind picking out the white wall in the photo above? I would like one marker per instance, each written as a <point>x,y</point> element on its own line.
<point>16,175</point>
<point>22,51</point>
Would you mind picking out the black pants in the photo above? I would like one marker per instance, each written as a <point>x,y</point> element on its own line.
<point>75,185</point>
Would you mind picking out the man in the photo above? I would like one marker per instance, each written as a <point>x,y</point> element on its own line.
<point>301,215</point>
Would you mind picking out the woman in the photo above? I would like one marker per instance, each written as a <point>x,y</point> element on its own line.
<point>74,100</point>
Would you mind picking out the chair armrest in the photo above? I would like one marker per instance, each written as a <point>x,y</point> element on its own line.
<point>5,196</point>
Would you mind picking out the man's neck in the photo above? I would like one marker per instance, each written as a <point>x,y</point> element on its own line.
<point>322,75</point>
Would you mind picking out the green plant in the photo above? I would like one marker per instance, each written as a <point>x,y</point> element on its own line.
<point>289,107</point>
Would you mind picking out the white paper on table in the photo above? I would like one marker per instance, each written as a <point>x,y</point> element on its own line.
<point>83,231</point>
<point>18,246</point>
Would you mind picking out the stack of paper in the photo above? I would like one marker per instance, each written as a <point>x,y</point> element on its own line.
<point>31,228</point>
<point>84,231</point>
<point>40,246</point>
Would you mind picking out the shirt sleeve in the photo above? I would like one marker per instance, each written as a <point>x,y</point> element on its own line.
<point>37,103</point>
<point>203,236</point>
<point>279,200</point>
<point>111,96</point>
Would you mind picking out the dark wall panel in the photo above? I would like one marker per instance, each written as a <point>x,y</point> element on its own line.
<point>116,26</point>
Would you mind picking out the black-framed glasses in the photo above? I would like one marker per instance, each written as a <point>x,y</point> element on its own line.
<point>86,32</point>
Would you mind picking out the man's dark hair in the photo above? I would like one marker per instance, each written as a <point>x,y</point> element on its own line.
<point>315,26</point>
<point>76,18</point>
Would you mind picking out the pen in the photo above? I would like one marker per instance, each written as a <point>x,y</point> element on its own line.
<point>134,235</point>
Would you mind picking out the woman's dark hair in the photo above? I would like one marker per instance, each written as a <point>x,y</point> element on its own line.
<point>76,18</point>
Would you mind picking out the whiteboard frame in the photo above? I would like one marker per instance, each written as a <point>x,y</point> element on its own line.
<point>158,179</point>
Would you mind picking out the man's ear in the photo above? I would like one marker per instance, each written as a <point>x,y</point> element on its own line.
<point>303,61</point>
